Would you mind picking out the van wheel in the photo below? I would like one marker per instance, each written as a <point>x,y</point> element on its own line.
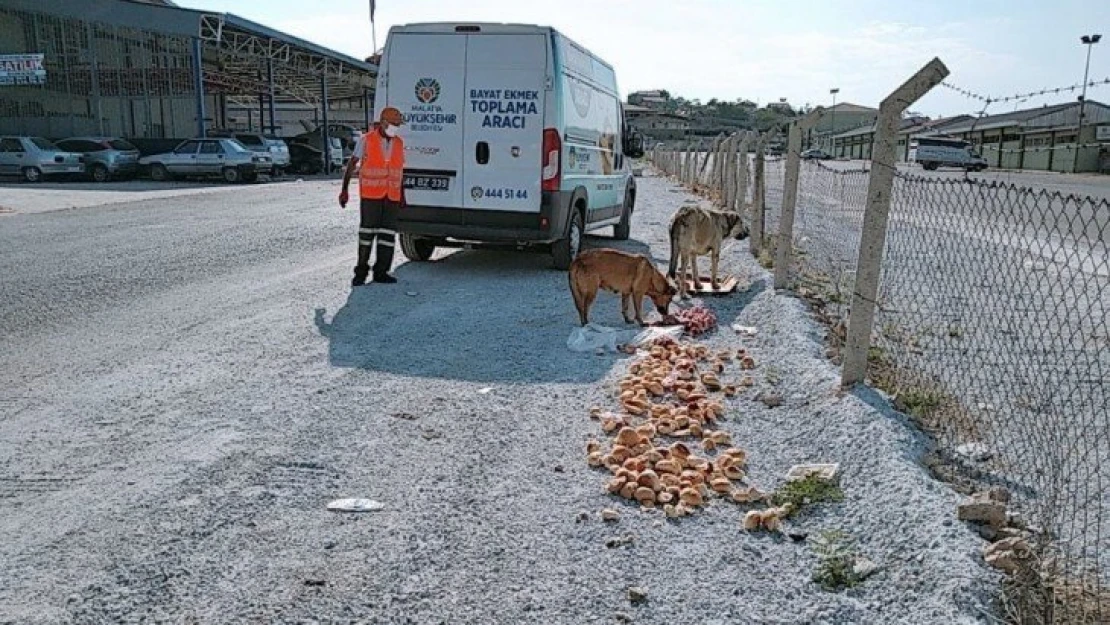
<point>623,230</point>
<point>230,175</point>
<point>100,173</point>
<point>32,174</point>
<point>929,166</point>
<point>417,249</point>
<point>566,250</point>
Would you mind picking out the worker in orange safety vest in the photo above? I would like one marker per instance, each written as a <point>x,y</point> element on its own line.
<point>379,159</point>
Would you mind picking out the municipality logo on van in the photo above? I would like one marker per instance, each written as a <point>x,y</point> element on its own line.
<point>427,90</point>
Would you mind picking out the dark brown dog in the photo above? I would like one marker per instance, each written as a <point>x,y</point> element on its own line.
<point>631,275</point>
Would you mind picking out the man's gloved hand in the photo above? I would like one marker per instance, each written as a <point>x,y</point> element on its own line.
<point>343,197</point>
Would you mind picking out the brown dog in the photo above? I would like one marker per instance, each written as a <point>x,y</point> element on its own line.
<point>631,275</point>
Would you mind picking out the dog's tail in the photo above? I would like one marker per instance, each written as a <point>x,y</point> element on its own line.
<point>673,267</point>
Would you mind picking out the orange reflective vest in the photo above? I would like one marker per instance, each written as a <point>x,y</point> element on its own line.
<point>378,177</point>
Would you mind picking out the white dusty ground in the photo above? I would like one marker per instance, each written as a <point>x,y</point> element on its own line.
<point>186,382</point>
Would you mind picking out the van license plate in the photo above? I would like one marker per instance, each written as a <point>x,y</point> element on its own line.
<point>427,183</point>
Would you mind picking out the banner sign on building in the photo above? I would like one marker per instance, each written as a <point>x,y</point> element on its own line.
<point>22,69</point>
<point>1102,133</point>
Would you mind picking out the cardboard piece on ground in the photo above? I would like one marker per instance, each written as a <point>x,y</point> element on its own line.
<point>725,284</point>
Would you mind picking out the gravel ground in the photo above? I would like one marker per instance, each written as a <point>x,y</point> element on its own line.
<point>186,382</point>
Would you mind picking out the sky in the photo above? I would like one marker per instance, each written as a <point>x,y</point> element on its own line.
<point>763,50</point>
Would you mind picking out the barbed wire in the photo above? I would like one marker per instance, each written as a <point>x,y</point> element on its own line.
<point>1023,96</point>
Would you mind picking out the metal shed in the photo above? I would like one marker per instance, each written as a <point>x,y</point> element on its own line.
<point>154,70</point>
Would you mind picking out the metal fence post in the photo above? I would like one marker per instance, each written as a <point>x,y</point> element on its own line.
<point>784,253</point>
<point>873,237</point>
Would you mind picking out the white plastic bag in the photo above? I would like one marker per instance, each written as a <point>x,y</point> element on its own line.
<point>651,333</point>
<point>592,337</point>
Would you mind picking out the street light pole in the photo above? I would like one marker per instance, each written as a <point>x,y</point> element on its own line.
<point>1089,41</point>
<point>832,122</point>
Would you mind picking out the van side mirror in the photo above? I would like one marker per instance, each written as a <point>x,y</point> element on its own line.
<point>633,144</point>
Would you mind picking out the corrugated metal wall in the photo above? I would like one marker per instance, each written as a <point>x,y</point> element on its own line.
<point>100,79</point>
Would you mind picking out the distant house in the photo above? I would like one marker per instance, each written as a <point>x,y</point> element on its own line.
<point>634,111</point>
<point>781,106</point>
<point>656,124</point>
<point>652,99</point>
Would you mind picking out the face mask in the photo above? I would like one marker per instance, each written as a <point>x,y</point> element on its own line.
<point>390,131</point>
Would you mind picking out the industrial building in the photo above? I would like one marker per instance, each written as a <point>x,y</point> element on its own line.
<point>837,119</point>
<point>1043,138</point>
<point>148,69</point>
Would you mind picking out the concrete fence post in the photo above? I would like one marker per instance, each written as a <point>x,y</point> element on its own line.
<point>708,154</point>
<point>688,163</point>
<point>756,230</point>
<point>785,251</point>
<point>876,214</point>
<point>742,173</point>
<point>729,174</point>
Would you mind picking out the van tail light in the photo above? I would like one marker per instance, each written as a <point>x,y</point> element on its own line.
<point>552,157</point>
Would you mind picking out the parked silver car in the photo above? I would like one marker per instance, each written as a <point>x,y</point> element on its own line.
<point>105,157</point>
<point>35,157</point>
<point>273,147</point>
<point>223,157</point>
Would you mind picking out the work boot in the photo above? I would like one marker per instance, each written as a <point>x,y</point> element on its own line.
<point>384,278</point>
<point>360,276</point>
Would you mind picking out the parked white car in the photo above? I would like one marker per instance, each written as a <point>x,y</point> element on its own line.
<point>223,157</point>
<point>32,158</point>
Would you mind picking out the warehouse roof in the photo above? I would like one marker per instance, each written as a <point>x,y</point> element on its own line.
<point>234,48</point>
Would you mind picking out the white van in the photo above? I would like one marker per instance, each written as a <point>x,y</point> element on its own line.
<point>514,137</point>
<point>934,152</point>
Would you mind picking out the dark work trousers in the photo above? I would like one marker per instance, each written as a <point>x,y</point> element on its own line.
<point>378,222</point>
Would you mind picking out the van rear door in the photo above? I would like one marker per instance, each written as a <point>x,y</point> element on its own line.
<point>426,82</point>
<point>503,130</point>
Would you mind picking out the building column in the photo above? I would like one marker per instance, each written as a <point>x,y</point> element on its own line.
<point>270,84</point>
<point>324,131</point>
<point>1051,148</point>
<point>366,104</point>
<point>94,75</point>
<point>198,85</point>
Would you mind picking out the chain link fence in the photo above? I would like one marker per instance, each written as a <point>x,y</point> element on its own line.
<point>992,332</point>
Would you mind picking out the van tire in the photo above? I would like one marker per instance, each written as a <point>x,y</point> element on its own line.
<point>230,175</point>
<point>417,249</point>
<point>32,174</point>
<point>565,250</point>
<point>929,166</point>
<point>623,230</point>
